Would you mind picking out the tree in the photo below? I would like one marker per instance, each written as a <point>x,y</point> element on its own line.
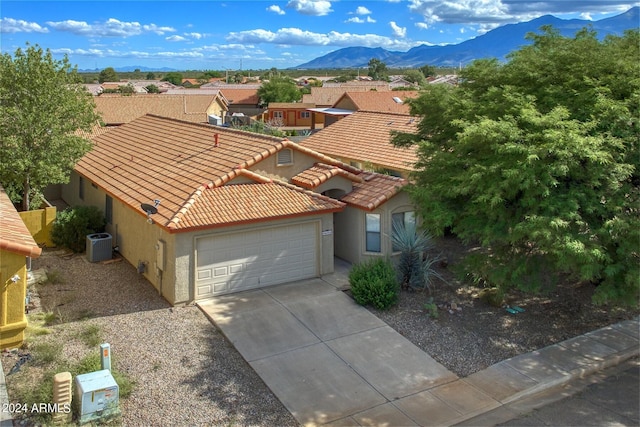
<point>173,78</point>
<point>415,76</point>
<point>279,89</point>
<point>150,76</point>
<point>428,70</point>
<point>152,89</point>
<point>108,75</point>
<point>43,106</point>
<point>538,159</point>
<point>377,69</point>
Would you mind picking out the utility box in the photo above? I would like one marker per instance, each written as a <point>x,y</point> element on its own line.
<point>97,395</point>
<point>99,247</point>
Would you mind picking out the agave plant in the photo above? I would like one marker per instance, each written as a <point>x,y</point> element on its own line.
<point>415,271</point>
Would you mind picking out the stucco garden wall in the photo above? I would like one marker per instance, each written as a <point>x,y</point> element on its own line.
<point>12,299</point>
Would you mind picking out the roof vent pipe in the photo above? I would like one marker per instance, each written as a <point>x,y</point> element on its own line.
<point>216,139</point>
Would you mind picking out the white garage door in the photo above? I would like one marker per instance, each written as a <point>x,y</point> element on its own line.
<point>251,259</point>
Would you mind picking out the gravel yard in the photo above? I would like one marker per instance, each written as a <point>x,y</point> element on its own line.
<point>185,371</point>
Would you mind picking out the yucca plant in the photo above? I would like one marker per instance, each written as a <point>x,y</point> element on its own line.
<point>414,270</point>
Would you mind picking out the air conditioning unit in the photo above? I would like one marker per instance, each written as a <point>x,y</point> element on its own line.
<point>99,247</point>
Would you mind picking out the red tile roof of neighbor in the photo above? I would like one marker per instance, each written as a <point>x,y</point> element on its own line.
<point>327,96</point>
<point>14,235</point>
<point>241,96</point>
<point>178,163</point>
<point>378,101</point>
<point>365,136</point>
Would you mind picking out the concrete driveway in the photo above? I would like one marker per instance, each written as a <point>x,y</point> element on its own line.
<point>327,358</point>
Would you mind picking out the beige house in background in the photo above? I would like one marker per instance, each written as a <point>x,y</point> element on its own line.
<point>116,109</point>
<point>235,210</point>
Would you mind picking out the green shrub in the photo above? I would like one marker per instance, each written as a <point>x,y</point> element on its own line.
<point>374,282</point>
<point>72,225</point>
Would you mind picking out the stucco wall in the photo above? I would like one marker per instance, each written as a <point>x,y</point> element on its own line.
<point>351,234</point>
<point>12,299</point>
<point>39,223</point>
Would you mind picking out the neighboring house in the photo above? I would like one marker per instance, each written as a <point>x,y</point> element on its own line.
<point>16,244</point>
<point>112,86</point>
<point>401,82</point>
<point>243,101</point>
<point>94,89</point>
<point>235,210</point>
<point>363,139</point>
<point>384,102</point>
<point>118,109</point>
<point>290,114</point>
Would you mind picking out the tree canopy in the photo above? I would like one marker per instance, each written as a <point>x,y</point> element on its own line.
<point>108,75</point>
<point>279,89</point>
<point>538,160</point>
<point>43,106</point>
<point>377,69</point>
<point>173,78</point>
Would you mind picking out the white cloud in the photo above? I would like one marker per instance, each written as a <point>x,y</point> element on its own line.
<point>311,7</point>
<point>175,38</point>
<point>10,25</point>
<point>196,36</point>
<point>587,16</point>
<point>422,25</point>
<point>110,28</point>
<point>275,9</point>
<point>397,30</point>
<point>361,10</point>
<point>358,20</point>
<point>298,37</point>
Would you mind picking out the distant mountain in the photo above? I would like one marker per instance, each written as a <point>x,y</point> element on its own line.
<point>130,69</point>
<point>496,43</point>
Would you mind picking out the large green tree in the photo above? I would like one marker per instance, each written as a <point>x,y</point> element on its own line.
<point>378,69</point>
<point>279,89</point>
<point>538,159</point>
<point>108,75</point>
<point>42,106</point>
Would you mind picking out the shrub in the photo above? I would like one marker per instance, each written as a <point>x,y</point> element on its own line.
<point>72,225</point>
<point>374,282</point>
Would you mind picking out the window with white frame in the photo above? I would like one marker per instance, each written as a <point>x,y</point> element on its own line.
<point>406,219</point>
<point>305,114</point>
<point>372,226</point>
<point>278,115</point>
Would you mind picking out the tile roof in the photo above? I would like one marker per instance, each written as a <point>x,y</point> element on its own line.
<point>291,105</point>
<point>241,96</point>
<point>14,235</point>
<point>321,173</point>
<point>373,191</point>
<point>327,96</point>
<point>378,101</point>
<point>117,109</point>
<point>178,163</point>
<point>365,136</point>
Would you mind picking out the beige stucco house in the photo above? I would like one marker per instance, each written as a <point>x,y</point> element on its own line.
<point>235,210</point>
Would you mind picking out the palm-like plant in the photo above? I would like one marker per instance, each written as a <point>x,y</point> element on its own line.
<point>415,270</point>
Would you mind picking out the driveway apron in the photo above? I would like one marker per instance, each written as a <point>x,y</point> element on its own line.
<point>328,359</point>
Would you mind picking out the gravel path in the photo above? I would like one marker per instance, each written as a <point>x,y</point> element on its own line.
<point>185,371</point>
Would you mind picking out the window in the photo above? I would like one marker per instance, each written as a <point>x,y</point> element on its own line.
<point>373,241</point>
<point>405,219</point>
<point>305,114</point>
<point>108,209</point>
<point>285,157</point>
<point>278,115</point>
<point>81,188</point>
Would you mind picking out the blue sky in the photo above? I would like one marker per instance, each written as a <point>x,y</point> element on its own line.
<point>234,34</point>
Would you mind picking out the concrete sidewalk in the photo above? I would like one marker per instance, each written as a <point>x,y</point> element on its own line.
<point>331,361</point>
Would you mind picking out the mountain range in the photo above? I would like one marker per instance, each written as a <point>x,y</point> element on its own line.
<point>496,43</point>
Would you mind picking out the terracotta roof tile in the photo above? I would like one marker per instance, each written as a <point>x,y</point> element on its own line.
<point>373,191</point>
<point>378,101</point>
<point>14,235</point>
<point>117,109</point>
<point>239,203</point>
<point>327,96</point>
<point>241,96</point>
<point>365,136</point>
<point>321,173</point>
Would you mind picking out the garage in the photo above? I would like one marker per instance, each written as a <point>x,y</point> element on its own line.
<point>239,261</point>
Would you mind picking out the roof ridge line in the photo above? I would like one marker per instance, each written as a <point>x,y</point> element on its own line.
<point>177,217</point>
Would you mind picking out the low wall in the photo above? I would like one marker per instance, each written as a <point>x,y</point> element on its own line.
<point>39,223</point>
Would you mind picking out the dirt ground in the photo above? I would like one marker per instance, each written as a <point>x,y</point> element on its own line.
<point>474,334</point>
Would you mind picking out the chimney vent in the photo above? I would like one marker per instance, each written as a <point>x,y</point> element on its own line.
<point>216,139</point>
